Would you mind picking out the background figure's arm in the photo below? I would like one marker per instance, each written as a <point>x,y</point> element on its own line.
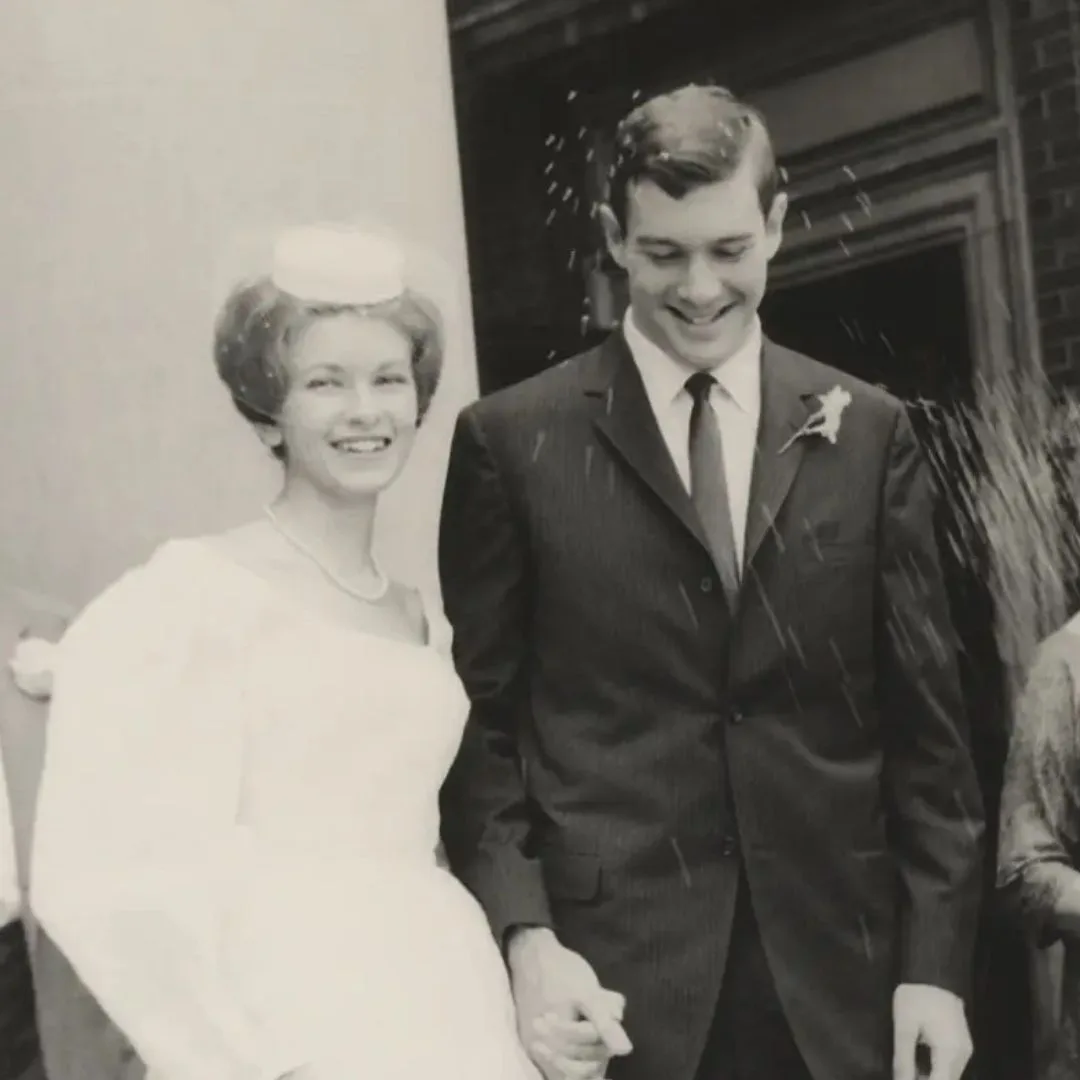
<point>483,563</point>
<point>1040,811</point>
<point>932,795</point>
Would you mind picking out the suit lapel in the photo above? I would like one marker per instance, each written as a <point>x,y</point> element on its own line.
<point>625,419</point>
<point>787,401</point>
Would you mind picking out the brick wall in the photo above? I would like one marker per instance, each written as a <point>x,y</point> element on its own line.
<point>529,297</point>
<point>1046,63</point>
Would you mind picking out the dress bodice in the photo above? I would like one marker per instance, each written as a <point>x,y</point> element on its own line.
<point>237,829</point>
<point>348,734</point>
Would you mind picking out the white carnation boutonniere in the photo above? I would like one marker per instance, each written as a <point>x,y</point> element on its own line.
<point>31,667</point>
<point>826,420</point>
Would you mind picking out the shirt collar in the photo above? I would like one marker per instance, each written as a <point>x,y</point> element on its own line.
<point>665,376</point>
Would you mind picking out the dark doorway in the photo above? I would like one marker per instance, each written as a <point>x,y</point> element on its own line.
<point>903,323</point>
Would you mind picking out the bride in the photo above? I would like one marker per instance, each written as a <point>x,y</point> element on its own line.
<point>237,829</point>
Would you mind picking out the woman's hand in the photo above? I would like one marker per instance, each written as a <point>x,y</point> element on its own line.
<point>569,1024</point>
<point>572,1049</point>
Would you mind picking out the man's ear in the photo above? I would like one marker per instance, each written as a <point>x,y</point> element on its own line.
<point>613,235</point>
<point>774,224</point>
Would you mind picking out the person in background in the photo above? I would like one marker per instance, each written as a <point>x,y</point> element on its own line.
<point>1039,848</point>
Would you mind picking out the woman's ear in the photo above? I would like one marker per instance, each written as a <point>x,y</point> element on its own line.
<point>270,435</point>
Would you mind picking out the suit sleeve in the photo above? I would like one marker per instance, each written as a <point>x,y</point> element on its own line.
<point>488,818</point>
<point>932,795</point>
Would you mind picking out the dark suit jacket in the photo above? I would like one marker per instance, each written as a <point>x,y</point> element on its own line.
<point>635,739</point>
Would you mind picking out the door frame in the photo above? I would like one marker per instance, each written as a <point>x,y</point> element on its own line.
<point>966,153</point>
<point>951,208</point>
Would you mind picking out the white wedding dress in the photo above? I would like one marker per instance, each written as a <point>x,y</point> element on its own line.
<point>237,831</point>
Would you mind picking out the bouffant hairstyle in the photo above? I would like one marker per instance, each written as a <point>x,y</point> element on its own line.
<point>260,324</point>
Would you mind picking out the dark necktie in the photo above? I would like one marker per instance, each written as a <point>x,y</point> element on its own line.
<point>708,482</point>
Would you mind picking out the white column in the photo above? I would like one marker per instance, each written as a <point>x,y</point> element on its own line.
<point>150,150</point>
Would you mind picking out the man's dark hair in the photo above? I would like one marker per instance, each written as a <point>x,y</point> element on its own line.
<point>689,138</point>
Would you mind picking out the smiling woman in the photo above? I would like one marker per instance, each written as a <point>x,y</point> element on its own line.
<point>334,361</point>
<point>280,715</point>
<point>269,323</point>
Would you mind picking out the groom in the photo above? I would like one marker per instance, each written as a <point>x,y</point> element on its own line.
<point>717,761</point>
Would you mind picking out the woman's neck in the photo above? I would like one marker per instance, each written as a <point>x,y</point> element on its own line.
<point>340,535</point>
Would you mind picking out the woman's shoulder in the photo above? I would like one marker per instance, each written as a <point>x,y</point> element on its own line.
<point>411,601</point>
<point>425,611</point>
<point>169,568</point>
<point>242,545</point>
<point>179,588</point>
<point>184,600</point>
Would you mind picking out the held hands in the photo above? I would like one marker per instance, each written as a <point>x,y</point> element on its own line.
<point>569,1024</point>
<point>934,1018</point>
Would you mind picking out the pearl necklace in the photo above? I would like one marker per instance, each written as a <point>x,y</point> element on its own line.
<point>367,596</point>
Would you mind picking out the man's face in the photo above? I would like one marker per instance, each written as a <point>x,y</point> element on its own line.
<point>697,266</point>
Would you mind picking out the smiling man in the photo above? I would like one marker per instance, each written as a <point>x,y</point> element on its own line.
<point>715,793</point>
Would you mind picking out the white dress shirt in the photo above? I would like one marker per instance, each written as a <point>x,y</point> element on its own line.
<point>736,402</point>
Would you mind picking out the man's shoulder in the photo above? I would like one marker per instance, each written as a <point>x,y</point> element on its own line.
<point>864,395</point>
<point>555,389</point>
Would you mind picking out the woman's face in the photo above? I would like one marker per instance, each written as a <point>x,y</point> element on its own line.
<point>349,418</point>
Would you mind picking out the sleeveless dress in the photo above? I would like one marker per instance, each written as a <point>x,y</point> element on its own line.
<point>237,833</point>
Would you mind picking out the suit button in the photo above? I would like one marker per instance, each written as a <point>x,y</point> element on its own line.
<point>729,847</point>
<point>706,584</point>
<point>736,716</point>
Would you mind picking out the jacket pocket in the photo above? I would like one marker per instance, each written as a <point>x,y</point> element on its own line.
<point>831,547</point>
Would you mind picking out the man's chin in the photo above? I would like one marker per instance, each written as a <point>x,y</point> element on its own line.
<point>705,348</point>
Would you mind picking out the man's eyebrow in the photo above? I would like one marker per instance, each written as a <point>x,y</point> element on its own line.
<point>665,241</point>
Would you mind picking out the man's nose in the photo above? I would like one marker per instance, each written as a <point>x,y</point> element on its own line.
<point>701,284</point>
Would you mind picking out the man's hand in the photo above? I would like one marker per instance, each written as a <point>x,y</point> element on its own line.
<point>570,1049</point>
<point>569,1024</point>
<point>933,1018</point>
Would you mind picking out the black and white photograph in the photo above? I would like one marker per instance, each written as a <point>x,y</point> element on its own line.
<point>540,540</point>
